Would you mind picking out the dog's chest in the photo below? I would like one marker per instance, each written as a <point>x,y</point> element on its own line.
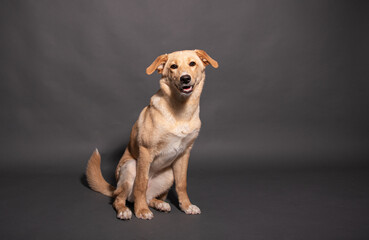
<point>174,143</point>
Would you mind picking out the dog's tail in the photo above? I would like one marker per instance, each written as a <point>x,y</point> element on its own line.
<point>95,178</point>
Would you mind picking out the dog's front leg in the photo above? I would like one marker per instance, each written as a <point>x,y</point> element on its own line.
<point>139,191</point>
<point>180,176</point>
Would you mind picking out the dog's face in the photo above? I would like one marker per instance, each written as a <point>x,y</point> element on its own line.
<point>183,69</point>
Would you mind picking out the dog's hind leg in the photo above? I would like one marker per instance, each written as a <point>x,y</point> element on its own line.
<point>158,188</point>
<point>163,196</point>
<point>159,204</point>
<point>124,189</point>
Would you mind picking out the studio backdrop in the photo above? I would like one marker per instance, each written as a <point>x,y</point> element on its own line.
<point>291,88</point>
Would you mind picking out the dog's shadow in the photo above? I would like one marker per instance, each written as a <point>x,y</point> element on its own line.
<point>110,162</point>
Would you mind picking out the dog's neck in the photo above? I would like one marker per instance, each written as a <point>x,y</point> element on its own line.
<point>182,107</point>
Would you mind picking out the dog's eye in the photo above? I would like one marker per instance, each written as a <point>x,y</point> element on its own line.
<point>192,64</point>
<point>174,66</point>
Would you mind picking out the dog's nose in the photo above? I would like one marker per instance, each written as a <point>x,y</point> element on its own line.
<point>185,79</point>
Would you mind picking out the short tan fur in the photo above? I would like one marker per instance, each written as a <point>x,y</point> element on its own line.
<point>161,140</point>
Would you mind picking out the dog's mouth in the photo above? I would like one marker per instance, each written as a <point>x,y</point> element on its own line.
<point>186,89</point>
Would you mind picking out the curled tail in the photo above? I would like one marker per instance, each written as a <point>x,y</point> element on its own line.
<point>94,176</point>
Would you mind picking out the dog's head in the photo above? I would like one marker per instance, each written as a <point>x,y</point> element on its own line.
<point>183,69</point>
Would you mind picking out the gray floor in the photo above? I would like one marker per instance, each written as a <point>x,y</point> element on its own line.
<point>240,203</point>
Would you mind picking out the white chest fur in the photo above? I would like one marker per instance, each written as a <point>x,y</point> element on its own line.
<point>175,143</point>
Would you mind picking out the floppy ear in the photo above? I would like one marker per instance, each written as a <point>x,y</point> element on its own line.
<point>206,59</point>
<point>158,64</point>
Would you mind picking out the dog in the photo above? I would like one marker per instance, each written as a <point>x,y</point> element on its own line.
<point>161,140</point>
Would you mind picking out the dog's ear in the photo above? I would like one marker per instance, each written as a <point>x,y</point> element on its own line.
<point>206,59</point>
<point>158,64</point>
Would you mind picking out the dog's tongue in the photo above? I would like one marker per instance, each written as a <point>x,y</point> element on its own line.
<point>187,89</point>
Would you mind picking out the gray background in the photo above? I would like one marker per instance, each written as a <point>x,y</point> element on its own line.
<point>291,91</point>
<point>292,82</point>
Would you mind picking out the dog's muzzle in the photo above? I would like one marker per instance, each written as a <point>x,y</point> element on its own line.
<point>185,87</point>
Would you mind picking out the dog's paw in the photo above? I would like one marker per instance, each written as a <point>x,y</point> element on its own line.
<point>144,213</point>
<point>192,209</point>
<point>125,214</point>
<point>163,206</point>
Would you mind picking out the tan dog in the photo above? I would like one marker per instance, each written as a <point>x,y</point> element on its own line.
<point>161,140</point>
